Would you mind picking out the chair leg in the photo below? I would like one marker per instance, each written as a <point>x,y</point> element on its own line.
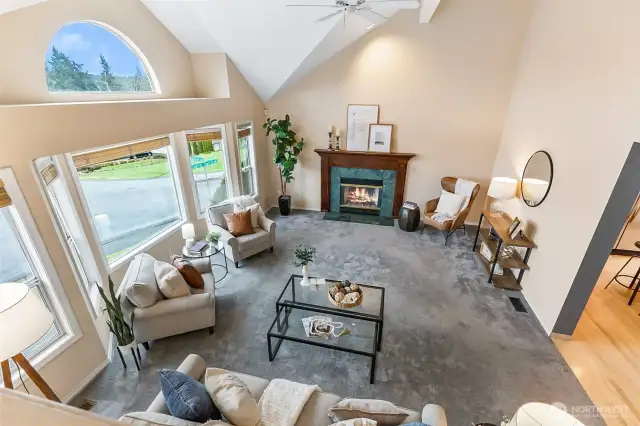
<point>423,226</point>
<point>271,249</point>
<point>237,265</point>
<point>618,273</point>
<point>211,330</point>
<point>146,346</point>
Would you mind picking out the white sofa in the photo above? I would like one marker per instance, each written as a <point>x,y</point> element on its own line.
<point>168,317</point>
<point>315,412</point>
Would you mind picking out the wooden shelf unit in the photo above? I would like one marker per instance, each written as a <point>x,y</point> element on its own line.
<point>500,223</point>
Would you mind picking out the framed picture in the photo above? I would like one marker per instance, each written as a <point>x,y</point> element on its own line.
<point>380,137</point>
<point>359,117</point>
<point>513,227</point>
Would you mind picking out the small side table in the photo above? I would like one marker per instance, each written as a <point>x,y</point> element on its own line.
<point>209,252</point>
<point>409,217</point>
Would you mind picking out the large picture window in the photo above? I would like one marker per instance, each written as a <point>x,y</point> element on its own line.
<point>131,192</point>
<point>246,158</point>
<point>88,57</point>
<point>209,166</point>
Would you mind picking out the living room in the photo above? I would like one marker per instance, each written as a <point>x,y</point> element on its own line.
<point>464,89</point>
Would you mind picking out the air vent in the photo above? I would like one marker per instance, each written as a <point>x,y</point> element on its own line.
<point>518,305</point>
<point>87,405</point>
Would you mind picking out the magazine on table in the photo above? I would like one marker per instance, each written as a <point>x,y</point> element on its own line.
<point>307,322</point>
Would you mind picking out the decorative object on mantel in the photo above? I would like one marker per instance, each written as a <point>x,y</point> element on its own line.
<point>380,137</point>
<point>337,139</point>
<point>304,256</point>
<point>500,223</point>
<point>287,150</point>
<point>359,117</point>
<point>537,178</point>
<point>330,137</point>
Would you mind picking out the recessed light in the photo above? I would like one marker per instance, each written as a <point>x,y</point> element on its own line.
<point>370,26</point>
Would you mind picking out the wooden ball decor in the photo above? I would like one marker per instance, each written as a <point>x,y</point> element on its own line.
<point>345,295</point>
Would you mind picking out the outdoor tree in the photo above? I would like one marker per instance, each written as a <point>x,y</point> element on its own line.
<point>107,77</point>
<point>65,74</point>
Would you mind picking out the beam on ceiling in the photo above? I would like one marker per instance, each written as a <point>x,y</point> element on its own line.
<point>427,10</point>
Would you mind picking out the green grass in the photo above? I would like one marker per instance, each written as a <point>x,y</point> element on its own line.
<point>117,255</point>
<point>148,169</point>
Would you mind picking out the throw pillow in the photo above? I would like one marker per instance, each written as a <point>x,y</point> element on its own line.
<point>141,287</point>
<point>383,412</point>
<point>143,418</point>
<point>170,281</point>
<point>356,422</point>
<point>239,223</point>
<point>255,210</point>
<point>450,203</point>
<point>191,275</point>
<point>187,398</point>
<point>232,396</point>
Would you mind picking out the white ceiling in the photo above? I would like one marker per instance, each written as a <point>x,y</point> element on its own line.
<point>9,5</point>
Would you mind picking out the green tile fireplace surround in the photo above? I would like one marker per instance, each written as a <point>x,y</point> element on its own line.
<point>388,178</point>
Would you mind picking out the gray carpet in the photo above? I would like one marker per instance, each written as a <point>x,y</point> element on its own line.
<point>449,337</point>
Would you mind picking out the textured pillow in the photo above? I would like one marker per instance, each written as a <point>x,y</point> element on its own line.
<point>170,281</point>
<point>232,397</point>
<point>191,275</point>
<point>143,418</point>
<point>255,210</point>
<point>450,203</point>
<point>239,223</point>
<point>141,286</point>
<point>187,398</point>
<point>356,422</point>
<point>216,214</point>
<point>383,412</point>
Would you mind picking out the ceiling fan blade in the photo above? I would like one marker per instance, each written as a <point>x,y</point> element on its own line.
<point>371,15</point>
<point>312,5</point>
<point>396,4</point>
<point>329,16</point>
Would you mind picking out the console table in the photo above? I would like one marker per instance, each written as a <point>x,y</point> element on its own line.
<point>500,223</point>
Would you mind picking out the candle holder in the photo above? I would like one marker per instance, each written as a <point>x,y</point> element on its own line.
<point>337,143</point>
<point>330,141</point>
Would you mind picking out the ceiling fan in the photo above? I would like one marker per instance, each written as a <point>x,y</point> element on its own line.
<point>362,8</point>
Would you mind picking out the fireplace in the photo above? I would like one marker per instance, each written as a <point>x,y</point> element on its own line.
<point>361,196</point>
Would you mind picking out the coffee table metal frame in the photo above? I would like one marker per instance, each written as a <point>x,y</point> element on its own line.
<point>287,307</point>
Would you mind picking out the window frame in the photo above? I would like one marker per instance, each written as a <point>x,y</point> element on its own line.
<point>135,50</point>
<point>147,244</point>
<point>201,214</point>
<point>46,278</point>
<point>252,157</point>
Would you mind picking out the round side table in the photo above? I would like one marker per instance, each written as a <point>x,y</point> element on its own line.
<point>209,252</point>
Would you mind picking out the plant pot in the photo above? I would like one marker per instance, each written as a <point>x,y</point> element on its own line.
<point>284,203</point>
<point>305,276</point>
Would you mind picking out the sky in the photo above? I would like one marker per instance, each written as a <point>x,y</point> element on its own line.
<point>83,42</point>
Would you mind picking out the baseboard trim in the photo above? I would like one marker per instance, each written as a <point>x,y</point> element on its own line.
<point>83,384</point>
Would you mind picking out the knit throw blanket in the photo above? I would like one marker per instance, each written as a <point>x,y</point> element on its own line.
<point>282,402</point>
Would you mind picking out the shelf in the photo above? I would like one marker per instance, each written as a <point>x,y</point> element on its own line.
<point>513,262</point>
<point>501,223</point>
<point>506,281</point>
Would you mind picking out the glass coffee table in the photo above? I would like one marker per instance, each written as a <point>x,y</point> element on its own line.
<point>365,321</point>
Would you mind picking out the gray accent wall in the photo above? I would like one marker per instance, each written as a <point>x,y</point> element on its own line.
<point>618,207</point>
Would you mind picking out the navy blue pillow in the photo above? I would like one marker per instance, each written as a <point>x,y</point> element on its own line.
<point>187,398</point>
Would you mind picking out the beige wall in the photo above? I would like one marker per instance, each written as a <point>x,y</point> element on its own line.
<point>576,96</point>
<point>27,33</point>
<point>445,86</point>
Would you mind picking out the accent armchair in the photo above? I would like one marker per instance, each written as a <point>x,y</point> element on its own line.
<point>452,225</point>
<point>243,246</point>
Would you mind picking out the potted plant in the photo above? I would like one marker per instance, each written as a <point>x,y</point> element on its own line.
<point>118,326</point>
<point>287,150</point>
<point>304,256</point>
<point>213,238</point>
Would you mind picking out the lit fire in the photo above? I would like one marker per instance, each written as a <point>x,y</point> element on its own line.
<point>361,197</point>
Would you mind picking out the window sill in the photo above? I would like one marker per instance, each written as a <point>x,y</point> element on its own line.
<point>146,245</point>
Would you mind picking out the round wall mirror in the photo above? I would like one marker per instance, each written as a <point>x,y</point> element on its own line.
<point>537,178</point>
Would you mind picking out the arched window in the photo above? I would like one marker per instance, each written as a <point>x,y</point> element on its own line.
<point>89,57</point>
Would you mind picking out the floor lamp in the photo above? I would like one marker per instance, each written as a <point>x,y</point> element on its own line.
<point>24,319</point>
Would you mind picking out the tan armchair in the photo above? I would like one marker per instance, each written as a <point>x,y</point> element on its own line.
<point>449,226</point>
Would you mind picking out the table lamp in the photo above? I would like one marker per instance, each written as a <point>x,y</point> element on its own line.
<point>189,235</point>
<point>501,189</point>
<point>24,319</point>
<point>534,190</point>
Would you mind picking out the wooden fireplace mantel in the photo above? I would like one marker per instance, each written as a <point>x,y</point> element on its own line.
<point>365,160</point>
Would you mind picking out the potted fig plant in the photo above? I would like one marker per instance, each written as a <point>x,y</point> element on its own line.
<point>304,256</point>
<point>287,150</point>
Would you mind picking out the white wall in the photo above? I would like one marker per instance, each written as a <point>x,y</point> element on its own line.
<point>445,87</point>
<point>577,96</point>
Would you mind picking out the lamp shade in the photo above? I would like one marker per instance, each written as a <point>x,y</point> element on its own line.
<point>188,231</point>
<point>534,189</point>
<point>502,188</point>
<point>24,319</point>
<point>539,414</point>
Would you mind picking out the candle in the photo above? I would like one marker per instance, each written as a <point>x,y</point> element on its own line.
<point>337,132</point>
<point>330,128</point>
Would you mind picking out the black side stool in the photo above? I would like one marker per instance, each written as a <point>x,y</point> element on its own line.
<point>635,283</point>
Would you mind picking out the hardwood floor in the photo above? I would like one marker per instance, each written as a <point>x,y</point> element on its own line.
<point>604,351</point>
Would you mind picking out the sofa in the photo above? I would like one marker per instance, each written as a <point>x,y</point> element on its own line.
<point>167,317</point>
<point>314,413</point>
<point>244,246</point>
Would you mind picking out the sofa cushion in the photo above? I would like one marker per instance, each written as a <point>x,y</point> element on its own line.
<point>170,281</point>
<point>256,385</point>
<point>189,272</point>
<point>253,241</point>
<point>141,287</point>
<point>187,398</point>
<point>316,409</point>
<point>384,412</point>
<point>232,396</point>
